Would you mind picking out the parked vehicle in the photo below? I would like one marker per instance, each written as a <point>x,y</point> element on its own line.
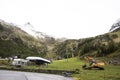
<point>19,62</point>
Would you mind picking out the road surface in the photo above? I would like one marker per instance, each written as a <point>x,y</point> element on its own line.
<point>15,75</point>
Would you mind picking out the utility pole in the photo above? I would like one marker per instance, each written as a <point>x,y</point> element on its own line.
<point>67,55</point>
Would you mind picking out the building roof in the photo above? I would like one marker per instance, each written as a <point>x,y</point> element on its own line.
<point>23,60</point>
<point>38,58</point>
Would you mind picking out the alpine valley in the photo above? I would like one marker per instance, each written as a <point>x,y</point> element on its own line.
<point>26,41</point>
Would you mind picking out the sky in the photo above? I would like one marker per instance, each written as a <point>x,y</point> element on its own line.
<point>73,19</point>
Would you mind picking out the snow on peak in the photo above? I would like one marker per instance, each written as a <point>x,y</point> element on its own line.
<point>32,31</point>
<point>28,28</point>
<point>115,26</point>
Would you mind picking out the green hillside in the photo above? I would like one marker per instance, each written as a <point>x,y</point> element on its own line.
<point>14,41</point>
<point>106,45</point>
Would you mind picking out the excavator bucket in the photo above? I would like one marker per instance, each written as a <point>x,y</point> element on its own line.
<point>101,64</point>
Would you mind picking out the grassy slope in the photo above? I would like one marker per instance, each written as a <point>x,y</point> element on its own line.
<point>110,72</point>
<point>70,64</point>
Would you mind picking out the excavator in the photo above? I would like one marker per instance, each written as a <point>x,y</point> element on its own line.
<point>93,64</point>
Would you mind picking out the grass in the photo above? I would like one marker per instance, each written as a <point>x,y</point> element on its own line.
<point>66,64</point>
<point>110,73</point>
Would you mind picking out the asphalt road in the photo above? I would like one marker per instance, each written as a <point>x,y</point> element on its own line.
<point>15,75</point>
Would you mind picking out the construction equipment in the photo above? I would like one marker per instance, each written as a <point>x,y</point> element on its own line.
<point>93,64</point>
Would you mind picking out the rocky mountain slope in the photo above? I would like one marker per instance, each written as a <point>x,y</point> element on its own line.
<point>39,35</point>
<point>116,26</point>
<point>15,41</point>
<point>25,41</point>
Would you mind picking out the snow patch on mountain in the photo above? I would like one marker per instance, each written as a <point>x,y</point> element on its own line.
<point>28,28</point>
<point>32,31</point>
<point>115,26</point>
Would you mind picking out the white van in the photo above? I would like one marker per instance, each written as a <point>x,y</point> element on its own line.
<point>19,62</point>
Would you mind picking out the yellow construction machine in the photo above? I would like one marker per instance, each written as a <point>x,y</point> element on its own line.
<point>93,64</point>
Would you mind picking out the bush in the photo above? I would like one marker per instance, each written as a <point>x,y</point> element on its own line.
<point>4,62</point>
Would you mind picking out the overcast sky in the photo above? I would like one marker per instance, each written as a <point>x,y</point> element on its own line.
<point>63,18</point>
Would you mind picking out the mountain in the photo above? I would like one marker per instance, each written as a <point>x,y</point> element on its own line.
<point>15,41</point>
<point>116,26</point>
<point>32,31</point>
<point>25,41</point>
<point>43,37</point>
<point>106,46</point>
